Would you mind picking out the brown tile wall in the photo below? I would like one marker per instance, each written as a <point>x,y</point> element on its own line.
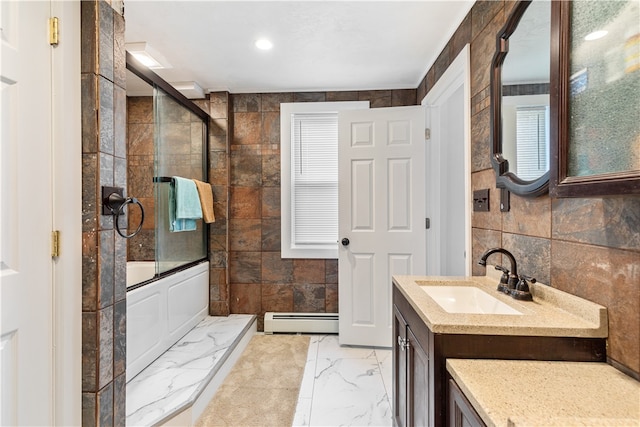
<point>260,280</point>
<point>588,247</point>
<point>217,105</point>
<point>104,253</point>
<point>140,171</point>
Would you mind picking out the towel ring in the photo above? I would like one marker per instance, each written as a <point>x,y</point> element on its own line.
<point>116,203</point>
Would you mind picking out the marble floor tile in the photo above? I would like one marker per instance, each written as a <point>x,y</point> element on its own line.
<point>328,346</point>
<point>341,385</point>
<point>385,360</point>
<point>302,416</point>
<point>347,388</point>
<point>349,392</point>
<point>202,347</point>
<point>164,392</point>
<point>306,387</point>
<point>177,377</point>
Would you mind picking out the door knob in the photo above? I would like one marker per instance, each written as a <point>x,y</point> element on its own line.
<point>345,242</point>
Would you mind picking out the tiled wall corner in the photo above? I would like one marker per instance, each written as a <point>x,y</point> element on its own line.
<point>103,252</point>
<point>218,106</point>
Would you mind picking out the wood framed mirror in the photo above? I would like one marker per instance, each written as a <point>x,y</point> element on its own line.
<point>520,100</point>
<point>596,72</point>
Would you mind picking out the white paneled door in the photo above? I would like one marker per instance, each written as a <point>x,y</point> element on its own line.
<point>381,216</point>
<point>26,349</point>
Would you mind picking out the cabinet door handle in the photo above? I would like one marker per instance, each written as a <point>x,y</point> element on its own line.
<point>403,343</point>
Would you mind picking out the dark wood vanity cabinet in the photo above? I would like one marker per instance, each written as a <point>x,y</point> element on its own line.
<point>419,361</point>
<point>411,373</point>
<point>460,411</point>
<point>400,392</point>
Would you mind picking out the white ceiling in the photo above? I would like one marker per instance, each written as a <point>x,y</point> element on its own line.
<point>528,60</point>
<point>318,45</point>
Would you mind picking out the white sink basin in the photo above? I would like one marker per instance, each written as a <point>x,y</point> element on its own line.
<point>467,299</point>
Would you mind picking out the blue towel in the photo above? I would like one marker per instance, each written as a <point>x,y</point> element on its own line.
<point>184,205</point>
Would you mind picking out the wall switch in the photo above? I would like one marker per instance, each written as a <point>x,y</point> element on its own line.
<point>505,200</point>
<point>481,200</point>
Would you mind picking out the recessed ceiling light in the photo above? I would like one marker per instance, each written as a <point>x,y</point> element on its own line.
<point>264,44</point>
<point>596,35</point>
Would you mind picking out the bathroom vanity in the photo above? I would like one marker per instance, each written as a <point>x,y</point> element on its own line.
<point>547,393</point>
<point>555,326</point>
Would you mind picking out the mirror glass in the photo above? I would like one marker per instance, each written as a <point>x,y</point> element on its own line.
<point>525,94</point>
<point>596,99</point>
<point>604,87</point>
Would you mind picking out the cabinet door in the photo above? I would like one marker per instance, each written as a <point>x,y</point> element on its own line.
<point>461,413</point>
<point>418,382</point>
<point>399,370</point>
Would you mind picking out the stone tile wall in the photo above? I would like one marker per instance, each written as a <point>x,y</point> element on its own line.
<point>588,247</point>
<point>260,280</point>
<point>104,253</point>
<point>217,105</point>
<point>140,155</point>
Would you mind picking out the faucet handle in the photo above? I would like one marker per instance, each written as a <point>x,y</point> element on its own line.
<point>529,278</point>
<point>504,279</point>
<point>522,292</point>
<point>505,274</point>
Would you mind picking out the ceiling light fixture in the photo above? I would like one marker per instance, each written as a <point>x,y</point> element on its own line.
<point>148,56</point>
<point>596,35</point>
<point>263,44</point>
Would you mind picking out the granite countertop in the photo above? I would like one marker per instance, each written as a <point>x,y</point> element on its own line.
<point>551,313</point>
<point>540,393</point>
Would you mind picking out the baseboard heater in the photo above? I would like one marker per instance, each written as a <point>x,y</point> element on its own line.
<point>309,323</point>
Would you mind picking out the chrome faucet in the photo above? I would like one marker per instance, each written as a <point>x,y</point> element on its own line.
<point>510,283</point>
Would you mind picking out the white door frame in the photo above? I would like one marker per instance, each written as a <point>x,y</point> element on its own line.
<point>457,75</point>
<point>67,215</point>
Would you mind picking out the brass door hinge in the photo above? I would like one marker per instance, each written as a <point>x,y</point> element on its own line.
<point>53,31</point>
<point>55,244</point>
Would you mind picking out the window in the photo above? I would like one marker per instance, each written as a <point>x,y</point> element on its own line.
<point>532,141</point>
<point>309,178</point>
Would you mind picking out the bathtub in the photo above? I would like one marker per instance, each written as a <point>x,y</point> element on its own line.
<point>140,271</point>
<point>163,311</point>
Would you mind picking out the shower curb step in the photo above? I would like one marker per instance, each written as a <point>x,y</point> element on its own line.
<point>176,388</point>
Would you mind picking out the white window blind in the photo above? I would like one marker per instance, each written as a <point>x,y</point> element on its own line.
<point>315,178</point>
<point>531,140</point>
<point>309,177</point>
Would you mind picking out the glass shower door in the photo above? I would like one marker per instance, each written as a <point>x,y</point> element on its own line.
<point>180,150</point>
